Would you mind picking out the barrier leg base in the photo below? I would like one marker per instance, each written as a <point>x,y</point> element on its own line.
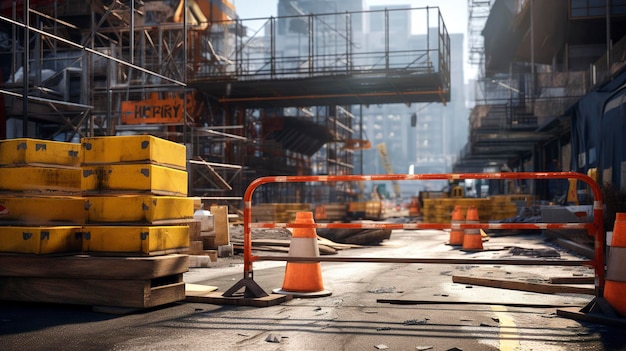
<point>322,293</point>
<point>596,311</point>
<point>252,289</point>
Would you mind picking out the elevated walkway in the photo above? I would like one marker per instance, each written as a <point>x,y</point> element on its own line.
<point>321,59</point>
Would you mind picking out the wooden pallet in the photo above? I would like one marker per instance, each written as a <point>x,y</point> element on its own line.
<point>135,293</point>
<point>130,282</point>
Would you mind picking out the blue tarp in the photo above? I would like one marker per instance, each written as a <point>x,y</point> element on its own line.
<point>598,131</point>
<point>613,152</point>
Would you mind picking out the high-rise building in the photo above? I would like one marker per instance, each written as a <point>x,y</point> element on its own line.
<point>432,139</point>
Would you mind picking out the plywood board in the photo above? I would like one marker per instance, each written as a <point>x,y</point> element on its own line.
<point>92,267</point>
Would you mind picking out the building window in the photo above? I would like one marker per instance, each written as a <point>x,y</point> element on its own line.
<point>595,8</point>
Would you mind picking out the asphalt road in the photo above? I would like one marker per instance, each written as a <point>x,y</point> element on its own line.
<point>451,315</point>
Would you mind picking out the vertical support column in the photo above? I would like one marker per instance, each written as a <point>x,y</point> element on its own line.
<point>348,42</point>
<point>25,68</point>
<point>311,45</point>
<point>387,39</point>
<point>272,47</point>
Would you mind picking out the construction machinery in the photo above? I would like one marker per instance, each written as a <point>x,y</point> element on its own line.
<point>382,204</point>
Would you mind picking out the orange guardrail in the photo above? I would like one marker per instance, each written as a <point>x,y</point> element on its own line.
<point>594,228</point>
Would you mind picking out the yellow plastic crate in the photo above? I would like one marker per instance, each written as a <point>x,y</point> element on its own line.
<point>145,240</point>
<point>40,240</point>
<point>133,149</point>
<point>42,210</point>
<point>151,179</point>
<point>140,208</point>
<point>26,151</point>
<point>40,179</point>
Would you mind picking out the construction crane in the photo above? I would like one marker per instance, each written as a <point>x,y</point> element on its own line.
<point>384,157</point>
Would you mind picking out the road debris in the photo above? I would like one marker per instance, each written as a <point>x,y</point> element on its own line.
<point>383,290</point>
<point>415,322</point>
<point>273,339</point>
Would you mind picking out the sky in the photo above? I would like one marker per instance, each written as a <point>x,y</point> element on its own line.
<point>454,13</point>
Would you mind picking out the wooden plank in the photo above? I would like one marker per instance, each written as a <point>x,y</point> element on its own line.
<point>572,280</point>
<point>198,289</point>
<point>523,286</point>
<point>576,314</point>
<point>447,302</point>
<point>92,267</point>
<point>164,294</point>
<point>220,217</point>
<point>195,233</point>
<point>275,245</point>
<point>106,292</point>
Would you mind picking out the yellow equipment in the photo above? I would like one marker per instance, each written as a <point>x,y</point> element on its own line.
<point>384,157</point>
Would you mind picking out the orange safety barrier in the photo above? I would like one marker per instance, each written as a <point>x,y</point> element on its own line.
<point>595,228</point>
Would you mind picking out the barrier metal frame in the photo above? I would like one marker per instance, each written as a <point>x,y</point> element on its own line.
<point>594,228</point>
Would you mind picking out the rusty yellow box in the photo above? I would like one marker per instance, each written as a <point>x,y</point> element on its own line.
<point>43,180</point>
<point>133,149</point>
<point>134,178</point>
<point>139,208</point>
<point>42,210</point>
<point>27,151</point>
<point>144,240</point>
<point>41,240</point>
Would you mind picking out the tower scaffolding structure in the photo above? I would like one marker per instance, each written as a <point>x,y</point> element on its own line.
<point>478,11</point>
<point>196,74</point>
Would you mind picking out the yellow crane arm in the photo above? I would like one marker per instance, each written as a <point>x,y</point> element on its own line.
<point>384,157</point>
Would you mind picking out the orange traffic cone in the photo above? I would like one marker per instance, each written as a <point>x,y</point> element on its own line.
<point>615,285</point>
<point>472,240</point>
<point>456,234</point>
<point>303,279</point>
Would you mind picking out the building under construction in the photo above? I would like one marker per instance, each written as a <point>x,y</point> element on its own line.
<point>249,97</point>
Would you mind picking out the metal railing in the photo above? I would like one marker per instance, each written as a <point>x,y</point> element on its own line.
<point>326,44</point>
<point>594,228</point>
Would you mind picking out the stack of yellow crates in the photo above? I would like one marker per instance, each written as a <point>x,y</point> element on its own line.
<point>99,223</point>
<point>278,212</point>
<point>502,207</point>
<point>132,184</point>
<point>439,210</point>
<point>41,211</point>
<point>493,208</point>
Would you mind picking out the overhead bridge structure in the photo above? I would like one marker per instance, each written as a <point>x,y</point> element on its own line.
<point>324,59</point>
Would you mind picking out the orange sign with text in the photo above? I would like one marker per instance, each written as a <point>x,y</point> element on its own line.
<point>157,109</point>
